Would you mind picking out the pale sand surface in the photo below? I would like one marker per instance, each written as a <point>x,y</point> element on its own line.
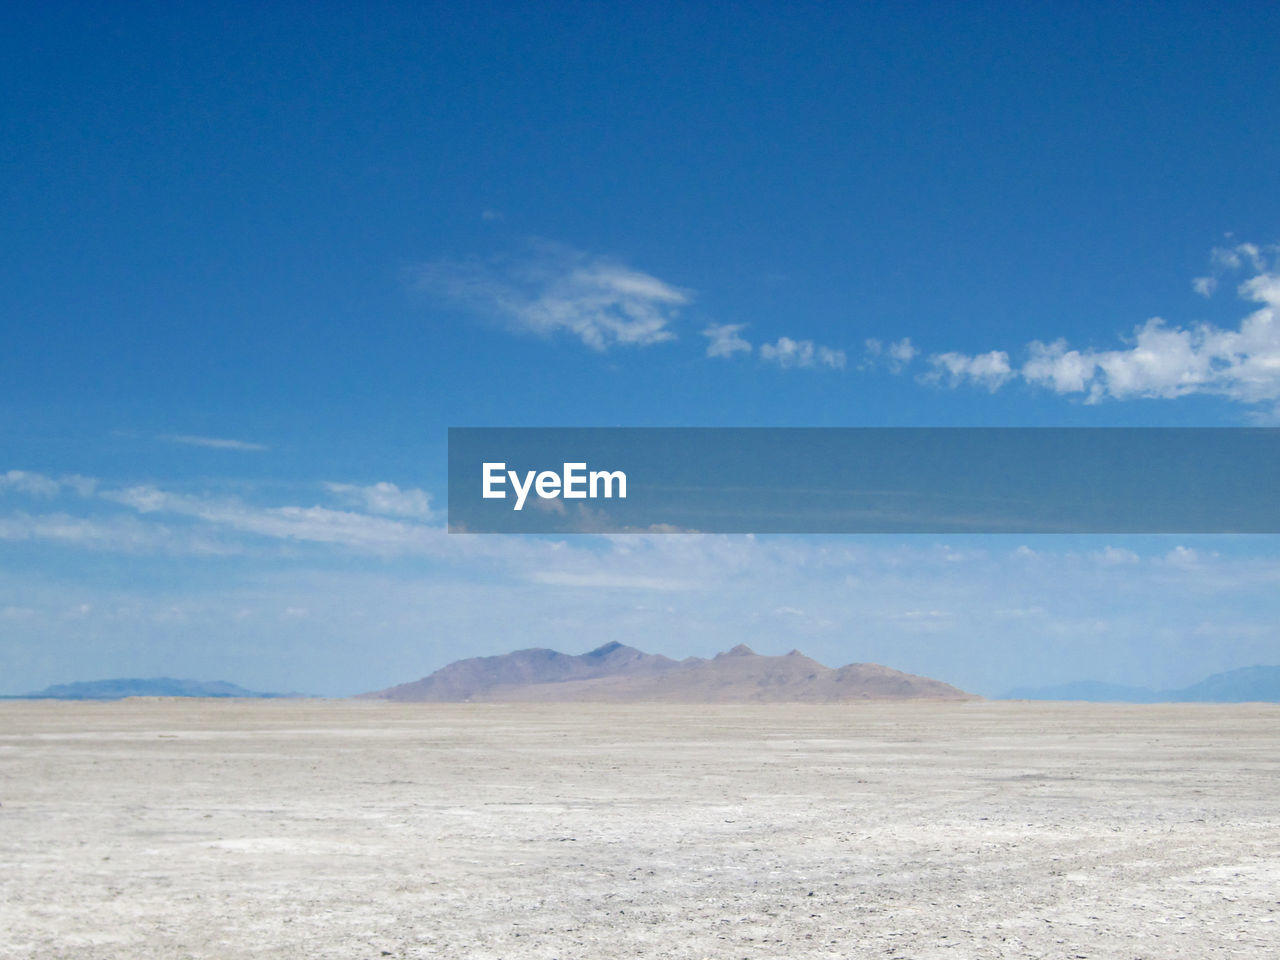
<point>169,829</point>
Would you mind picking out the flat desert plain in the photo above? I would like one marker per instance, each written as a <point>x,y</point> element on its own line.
<point>339,829</point>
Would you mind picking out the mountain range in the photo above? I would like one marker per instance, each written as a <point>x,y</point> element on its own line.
<point>121,687</point>
<point>616,673</point>
<point>1246,685</point>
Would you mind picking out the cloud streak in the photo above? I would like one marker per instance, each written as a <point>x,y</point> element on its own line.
<point>315,524</point>
<point>31,484</point>
<point>559,290</point>
<point>114,534</point>
<point>379,519</point>
<point>385,498</point>
<point>215,443</point>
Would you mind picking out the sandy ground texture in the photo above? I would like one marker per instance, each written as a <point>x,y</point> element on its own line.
<point>170,829</point>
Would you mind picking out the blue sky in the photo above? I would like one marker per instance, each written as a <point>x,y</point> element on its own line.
<point>255,262</point>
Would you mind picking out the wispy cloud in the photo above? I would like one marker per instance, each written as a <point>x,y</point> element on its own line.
<point>989,370</point>
<point>556,289</point>
<point>788,353</point>
<point>600,580</point>
<point>1159,360</point>
<point>314,524</point>
<point>1227,260</point>
<point>1115,556</point>
<point>725,339</point>
<point>379,518</point>
<point>385,498</point>
<point>304,578</point>
<point>38,485</point>
<point>114,534</point>
<point>214,443</point>
<point>31,484</point>
<point>895,355</point>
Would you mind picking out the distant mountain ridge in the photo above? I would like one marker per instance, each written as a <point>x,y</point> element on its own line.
<point>121,687</point>
<point>616,673</point>
<point>469,679</point>
<point>1260,684</point>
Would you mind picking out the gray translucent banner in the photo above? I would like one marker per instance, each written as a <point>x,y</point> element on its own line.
<point>864,480</point>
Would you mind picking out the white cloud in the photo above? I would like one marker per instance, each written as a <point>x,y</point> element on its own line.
<point>601,580</point>
<point>920,615</point>
<point>902,352</point>
<point>1020,613</point>
<point>560,290</point>
<point>896,355</point>
<point>312,524</point>
<point>39,485</point>
<point>1115,556</point>
<point>84,486</point>
<point>32,484</point>
<point>114,534</point>
<point>990,370</point>
<point>215,443</point>
<point>1166,362</point>
<point>1204,285</point>
<point>556,289</point>
<point>1058,367</point>
<point>1224,260</point>
<point>385,519</point>
<point>725,340</point>
<point>1160,360</point>
<point>802,353</point>
<point>1181,556</point>
<point>385,498</point>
